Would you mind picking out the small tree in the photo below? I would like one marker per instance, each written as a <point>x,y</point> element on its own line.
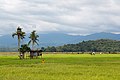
<point>24,48</point>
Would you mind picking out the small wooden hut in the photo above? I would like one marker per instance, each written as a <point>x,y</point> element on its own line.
<point>35,53</point>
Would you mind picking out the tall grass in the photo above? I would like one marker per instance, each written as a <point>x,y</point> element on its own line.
<point>60,67</point>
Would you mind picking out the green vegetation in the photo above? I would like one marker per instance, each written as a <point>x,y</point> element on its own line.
<point>102,45</point>
<point>24,47</point>
<point>33,39</point>
<point>60,67</point>
<point>20,34</point>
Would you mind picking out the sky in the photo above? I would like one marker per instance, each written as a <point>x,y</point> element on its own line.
<point>74,17</point>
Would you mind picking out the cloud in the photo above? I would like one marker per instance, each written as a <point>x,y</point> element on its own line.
<point>67,16</point>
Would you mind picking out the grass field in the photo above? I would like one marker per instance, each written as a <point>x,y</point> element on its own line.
<point>60,67</point>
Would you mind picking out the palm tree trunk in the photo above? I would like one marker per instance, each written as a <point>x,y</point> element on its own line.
<point>32,45</point>
<point>18,42</point>
<point>19,46</point>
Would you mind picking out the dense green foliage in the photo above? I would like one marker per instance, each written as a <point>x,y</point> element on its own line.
<point>24,48</point>
<point>102,45</point>
<point>60,67</point>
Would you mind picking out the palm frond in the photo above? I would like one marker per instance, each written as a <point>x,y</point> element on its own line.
<point>36,42</point>
<point>37,39</point>
<point>14,34</point>
<point>29,42</point>
<point>22,35</point>
<point>37,36</point>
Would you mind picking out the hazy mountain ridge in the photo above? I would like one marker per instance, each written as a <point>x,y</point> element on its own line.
<point>57,39</point>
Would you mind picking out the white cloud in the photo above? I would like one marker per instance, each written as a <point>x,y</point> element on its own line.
<point>68,16</point>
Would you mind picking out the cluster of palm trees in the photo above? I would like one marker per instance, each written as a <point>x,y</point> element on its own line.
<point>21,35</point>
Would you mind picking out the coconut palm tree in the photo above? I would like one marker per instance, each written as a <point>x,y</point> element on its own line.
<point>33,39</point>
<point>20,35</point>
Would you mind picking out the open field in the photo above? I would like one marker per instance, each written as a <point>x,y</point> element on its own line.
<point>60,67</point>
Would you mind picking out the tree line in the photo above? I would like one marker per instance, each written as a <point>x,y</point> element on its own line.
<point>101,45</point>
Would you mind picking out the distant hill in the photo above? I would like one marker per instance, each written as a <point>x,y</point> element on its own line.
<point>57,39</point>
<point>101,45</point>
<point>97,36</point>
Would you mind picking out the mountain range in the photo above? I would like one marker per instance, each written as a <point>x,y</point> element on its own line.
<point>57,39</point>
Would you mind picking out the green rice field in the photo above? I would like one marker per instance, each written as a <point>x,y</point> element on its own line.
<point>60,67</point>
